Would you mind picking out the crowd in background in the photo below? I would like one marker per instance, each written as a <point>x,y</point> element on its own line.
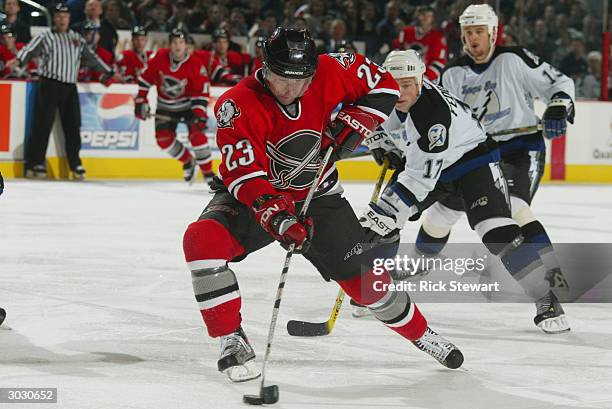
<point>566,33</point>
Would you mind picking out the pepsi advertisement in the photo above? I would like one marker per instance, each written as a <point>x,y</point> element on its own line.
<point>108,122</point>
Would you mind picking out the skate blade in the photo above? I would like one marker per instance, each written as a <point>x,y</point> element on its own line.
<point>243,373</point>
<point>556,325</point>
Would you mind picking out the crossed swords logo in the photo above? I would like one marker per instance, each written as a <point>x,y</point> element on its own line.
<point>285,168</point>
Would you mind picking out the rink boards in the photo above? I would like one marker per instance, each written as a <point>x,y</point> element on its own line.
<point>116,145</point>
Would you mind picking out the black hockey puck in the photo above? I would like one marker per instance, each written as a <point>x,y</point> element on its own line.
<point>2,315</point>
<point>454,359</point>
<point>267,395</point>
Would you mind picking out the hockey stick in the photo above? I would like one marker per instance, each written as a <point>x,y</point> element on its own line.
<point>524,129</point>
<point>269,394</point>
<point>316,329</point>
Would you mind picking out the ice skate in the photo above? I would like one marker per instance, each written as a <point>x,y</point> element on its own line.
<point>550,316</point>
<point>237,358</point>
<point>37,172</point>
<point>190,171</point>
<point>359,311</point>
<point>78,173</point>
<point>440,348</point>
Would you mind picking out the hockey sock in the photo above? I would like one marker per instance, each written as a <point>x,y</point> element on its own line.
<point>535,234</point>
<point>201,150</point>
<point>166,140</point>
<point>521,259</point>
<point>429,245</point>
<point>208,246</point>
<point>392,308</point>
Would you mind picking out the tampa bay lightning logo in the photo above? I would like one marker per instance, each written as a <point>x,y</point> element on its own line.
<point>344,59</point>
<point>436,136</point>
<point>173,87</point>
<point>294,159</point>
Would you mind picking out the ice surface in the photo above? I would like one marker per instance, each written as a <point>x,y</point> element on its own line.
<point>101,307</point>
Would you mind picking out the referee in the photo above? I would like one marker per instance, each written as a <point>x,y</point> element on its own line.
<point>60,51</point>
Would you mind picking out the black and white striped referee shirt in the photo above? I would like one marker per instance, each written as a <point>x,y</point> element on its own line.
<point>60,55</point>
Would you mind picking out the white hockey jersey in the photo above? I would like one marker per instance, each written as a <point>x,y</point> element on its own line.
<point>438,130</point>
<point>501,92</point>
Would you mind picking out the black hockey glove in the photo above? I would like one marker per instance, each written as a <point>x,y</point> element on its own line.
<point>558,112</point>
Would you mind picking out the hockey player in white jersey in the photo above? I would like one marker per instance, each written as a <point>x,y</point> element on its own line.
<point>448,154</point>
<point>500,84</point>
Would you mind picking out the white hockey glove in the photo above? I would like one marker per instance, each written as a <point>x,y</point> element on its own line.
<point>382,146</point>
<point>558,112</point>
<point>388,215</point>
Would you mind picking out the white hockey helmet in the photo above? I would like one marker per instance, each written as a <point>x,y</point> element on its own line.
<point>405,64</point>
<point>479,15</point>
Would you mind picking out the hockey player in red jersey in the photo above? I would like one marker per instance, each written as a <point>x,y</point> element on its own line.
<point>218,73</point>
<point>91,35</point>
<point>8,51</point>
<point>235,61</point>
<point>182,95</point>
<point>272,130</point>
<point>426,39</point>
<point>132,62</point>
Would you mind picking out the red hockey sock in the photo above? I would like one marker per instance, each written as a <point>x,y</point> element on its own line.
<point>393,308</point>
<point>208,246</point>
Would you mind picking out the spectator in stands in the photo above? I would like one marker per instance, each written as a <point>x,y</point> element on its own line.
<point>345,46</point>
<point>8,51</point>
<point>336,34</point>
<point>132,62</point>
<point>92,38</point>
<point>235,61</point>
<point>93,15</point>
<point>157,17</point>
<point>214,18</point>
<point>77,10</point>
<point>539,41</point>
<point>114,14</point>
<point>592,32</point>
<point>237,23</point>
<point>590,86</point>
<point>369,17</point>
<point>22,30</point>
<point>385,29</point>
<point>426,39</point>
<point>180,16</point>
<point>574,64</point>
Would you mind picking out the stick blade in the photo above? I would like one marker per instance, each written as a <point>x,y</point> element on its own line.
<point>307,329</point>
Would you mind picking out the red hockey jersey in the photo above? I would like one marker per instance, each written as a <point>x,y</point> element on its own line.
<point>236,62</point>
<point>7,55</point>
<point>87,74</point>
<point>431,45</point>
<point>131,64</point>
<point>180,85</point>
<point>267,149</point>
<point>219,74</point>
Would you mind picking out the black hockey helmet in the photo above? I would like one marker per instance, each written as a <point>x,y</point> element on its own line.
<point>345,46</point>
<point>139,31</point>
<point>90,26</point>
<point>61,8</point>
<point>7,29</point>
<point>290,53</point>
<point>220,33</point>
<point>178,33</point>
